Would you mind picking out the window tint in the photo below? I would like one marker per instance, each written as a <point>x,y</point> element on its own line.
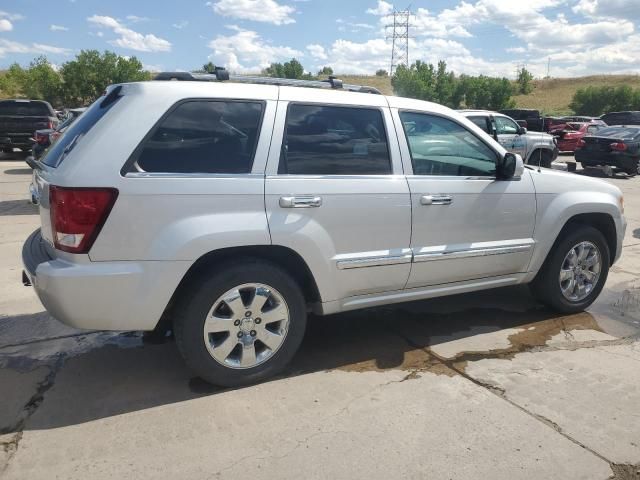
<point>506,126</point>
<point>57,152</point>
<point>204,137</point>
<point>25,108</point>
<point>619,132</point>
<point>481,122</point>
<point>321,140</point>
<point>440,146</point>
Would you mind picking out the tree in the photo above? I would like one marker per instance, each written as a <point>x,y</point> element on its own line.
<point>12,81</point>
<point>598,100</point>
<point>209,67</point>
<point>326,71</point>
<point>42,82</point>
<point>293,69</point>
<point>524,81</point>
<point>382,73</point>
<point>86,77</point>
<point>426,82</point>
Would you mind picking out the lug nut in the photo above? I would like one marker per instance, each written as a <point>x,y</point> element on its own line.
<point>236,323</point>
<point>253,333</point>
<point>257,321</point>
<point>247,314</point>
<point>240,334</point>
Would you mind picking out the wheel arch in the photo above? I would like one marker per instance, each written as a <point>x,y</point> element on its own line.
<point>283,257</point>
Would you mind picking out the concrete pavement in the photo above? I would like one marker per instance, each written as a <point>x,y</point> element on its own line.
<point>488,385</point>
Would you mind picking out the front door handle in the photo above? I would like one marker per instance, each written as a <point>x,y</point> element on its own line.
<point>301,201</point>
<point>436,200</point>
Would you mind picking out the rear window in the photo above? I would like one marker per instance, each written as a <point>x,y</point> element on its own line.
<point>619,132</point>
<point>57,152</point>
<point>203,136</point>
<point>25,109</point>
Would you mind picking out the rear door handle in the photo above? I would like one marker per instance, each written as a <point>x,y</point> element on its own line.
<point>301,201</point>
<point>436,200</point>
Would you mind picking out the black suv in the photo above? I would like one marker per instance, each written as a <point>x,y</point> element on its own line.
<point>534,120</point>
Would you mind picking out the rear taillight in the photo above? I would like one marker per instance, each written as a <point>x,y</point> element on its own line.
<point>619,146</point>
<point>50,125</point>
<point>78,214</point>
<point>42,138</point>
<point>581,143</point>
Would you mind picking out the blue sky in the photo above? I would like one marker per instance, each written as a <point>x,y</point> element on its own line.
<point>474,36</point>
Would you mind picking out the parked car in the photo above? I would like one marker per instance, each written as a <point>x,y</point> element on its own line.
<point>231,210</point>
<point>20,118</point>
<point>584,119</point>
<point>44,138</point>
<point>568,136</point>
<point>621,118</point>
<point>534,120</point>
<point>617,146</point>
<point>535,148</point>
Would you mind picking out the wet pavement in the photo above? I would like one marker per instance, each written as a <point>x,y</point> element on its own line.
<point>484,384</point>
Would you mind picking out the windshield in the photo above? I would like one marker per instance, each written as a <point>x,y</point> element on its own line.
<point>24,108</point>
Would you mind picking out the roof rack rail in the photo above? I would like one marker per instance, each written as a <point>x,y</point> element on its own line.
<point>220,75</point>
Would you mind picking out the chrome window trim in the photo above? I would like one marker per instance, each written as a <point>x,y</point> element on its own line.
<point>480,252</point>
<point>191,175</point>
<point>391,176</point>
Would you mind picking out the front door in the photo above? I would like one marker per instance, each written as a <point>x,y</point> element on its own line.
<point>466,224</point>
<point>509,135</point>
<point>336,195</point>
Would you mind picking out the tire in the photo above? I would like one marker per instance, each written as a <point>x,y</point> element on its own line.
<point>250,360</point>
<point>548,287</point>
<point>543,157</point>
<point>632,172</point>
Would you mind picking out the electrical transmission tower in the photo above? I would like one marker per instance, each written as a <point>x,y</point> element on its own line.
<point>399,37</point>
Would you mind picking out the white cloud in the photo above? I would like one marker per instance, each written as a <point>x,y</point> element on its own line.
<point>383,8</point>
<point>5,25</point>
<point>268,11</point>
<point>608,8</point>
<point>11,16</point>
<point>317,51</point>
<point>137,19</point>
<point>246,51</point>
<point>129,38</point>
<point>58,28</point>
<point>181,25</point>
<point>9,46</point>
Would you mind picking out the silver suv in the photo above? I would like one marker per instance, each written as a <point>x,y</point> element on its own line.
<point>233,209</point>
<point>535,148</point>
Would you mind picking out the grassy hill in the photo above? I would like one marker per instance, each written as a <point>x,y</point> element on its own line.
<point>552,95</point>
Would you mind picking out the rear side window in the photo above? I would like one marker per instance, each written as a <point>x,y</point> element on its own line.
<point>203,136</point>
<point>57,152</point>
<point>327,140</point>
<point>25,109</point>
<point>481,122</point>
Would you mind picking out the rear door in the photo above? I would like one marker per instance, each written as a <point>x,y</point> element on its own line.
<point>335,192</point>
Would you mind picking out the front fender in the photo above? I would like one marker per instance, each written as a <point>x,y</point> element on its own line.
<point>555,210</point>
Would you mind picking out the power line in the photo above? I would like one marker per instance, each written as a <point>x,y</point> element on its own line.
<point>399,37</point>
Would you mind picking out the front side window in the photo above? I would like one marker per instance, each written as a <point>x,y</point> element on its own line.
<point>440,146</point>
<point>506,126</point>
<point>202,136</point>
<point>327,140</point>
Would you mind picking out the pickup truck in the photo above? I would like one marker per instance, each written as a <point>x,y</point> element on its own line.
<point>20,118</point>
<point>535,148</point>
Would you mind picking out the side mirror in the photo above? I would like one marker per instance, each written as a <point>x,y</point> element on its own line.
<point>522,131</point>
<point>509,167</point>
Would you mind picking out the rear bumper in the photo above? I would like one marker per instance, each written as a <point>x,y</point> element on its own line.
<point>15,140</point>
<point>100,295</point>
<point>613,159</point>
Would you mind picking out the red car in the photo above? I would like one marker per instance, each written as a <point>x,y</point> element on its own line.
<point>569,134</point>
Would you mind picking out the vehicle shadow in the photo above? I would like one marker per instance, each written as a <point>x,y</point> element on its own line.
<point>636,233</point>
<point>18,171</point>
<point>15,155</point>
<point>17,207</point>
<point>127,375</point>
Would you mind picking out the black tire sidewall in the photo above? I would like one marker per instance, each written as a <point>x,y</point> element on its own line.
<point>546,284</point>
<point>192,310</point>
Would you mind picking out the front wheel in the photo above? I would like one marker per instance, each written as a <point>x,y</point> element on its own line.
<point>575,272</point>
<point>241,324</point>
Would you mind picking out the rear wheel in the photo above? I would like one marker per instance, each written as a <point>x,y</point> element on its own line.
<point>574,274</point>
<point>634,170</point>
<point>241,324</point>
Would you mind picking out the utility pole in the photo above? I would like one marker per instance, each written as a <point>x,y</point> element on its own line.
<point>399,37</point>
<point>548,67</point>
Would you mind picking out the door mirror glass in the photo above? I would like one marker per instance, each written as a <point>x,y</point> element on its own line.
<point>522,131</point>
<point>510,166</point>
